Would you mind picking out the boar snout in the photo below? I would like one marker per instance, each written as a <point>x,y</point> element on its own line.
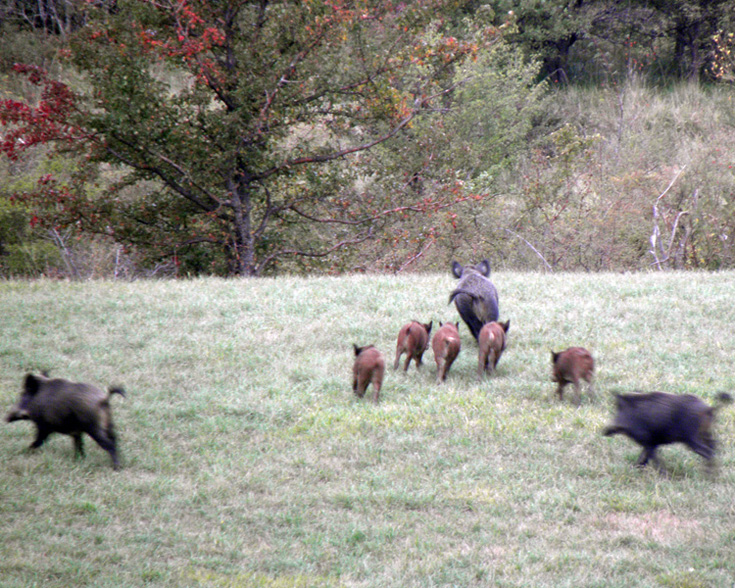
<point>17,415</point>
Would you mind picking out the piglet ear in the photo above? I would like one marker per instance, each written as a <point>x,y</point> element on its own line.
<point>457,269</point>
<point>31,384</point>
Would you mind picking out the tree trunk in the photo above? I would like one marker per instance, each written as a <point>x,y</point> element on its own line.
<point>243,236</point>
<point>688,56</point>
<point>557,64</point>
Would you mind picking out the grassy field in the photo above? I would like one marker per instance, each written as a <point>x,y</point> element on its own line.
<point>247,461</point>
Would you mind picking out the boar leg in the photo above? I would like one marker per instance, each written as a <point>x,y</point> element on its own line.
<point>41,436</point>
<point>357,387</point>
<point>481,365</point>
<point>591,383</point>
<point>78,445</point>
<point>649,453</point>
<point>577,393</point>
<point>376,388</point>
<point>492,361</point>
<point>644,457</point>
<point>440,372</point>
<point>560,390</point>
<point>704,447</point>
<point>106,440</point>
<point>408,362</point>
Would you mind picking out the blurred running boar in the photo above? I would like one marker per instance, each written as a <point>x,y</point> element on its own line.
<point>569,367</point>
<point>492,344</point>
<point>368,368</point>
<point>446,345</point>
<point>659,418</point>
<point>475,296</point>
<point>56,405</point>
<point>413,339</point>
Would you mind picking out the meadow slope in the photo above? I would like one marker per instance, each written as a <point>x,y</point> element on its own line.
<point>247,461</point>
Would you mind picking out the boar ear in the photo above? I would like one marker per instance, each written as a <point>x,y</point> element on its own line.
<point>457,269</point>
<point>428,327</point>
<point>357,349</point>
<point>31,384</point>
<point>505,325</point>
<point>554,355</point>
<point>484,268</point>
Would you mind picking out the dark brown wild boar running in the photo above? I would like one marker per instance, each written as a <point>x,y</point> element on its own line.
<point>492,344</point>
<point>569,367</point>
<point>446,345</point>
<point>413,339</point>
<point>659,418</point>
<point>368,368</point>
<point>56,405</point>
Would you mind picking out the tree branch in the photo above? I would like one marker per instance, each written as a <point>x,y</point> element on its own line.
<point>655,238</point>
<point>347,242</point>
<point>536,251</point>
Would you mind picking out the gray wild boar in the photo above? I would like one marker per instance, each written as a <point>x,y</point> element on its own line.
<point>475,296</point>
<point>659,418</point>
<point>56,405</point>
<point>492,344</point>
<point>569,367</point>
<point>413,339</point>
<point>368,368</point>
<point>446,345</point>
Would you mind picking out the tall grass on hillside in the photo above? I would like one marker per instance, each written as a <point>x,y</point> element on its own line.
<point>584,197</point>
<point>247,461</point>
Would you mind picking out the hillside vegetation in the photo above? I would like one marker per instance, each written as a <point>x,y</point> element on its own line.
<point>625,163</point>
<point>198,138</point>
<point>247,460</point>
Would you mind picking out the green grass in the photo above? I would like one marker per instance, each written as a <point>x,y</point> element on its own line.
<point>248,462</point>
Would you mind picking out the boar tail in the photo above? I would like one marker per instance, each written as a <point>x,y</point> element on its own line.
<point>116,390</point>
<point>459,291</point>
<point>722,399</point>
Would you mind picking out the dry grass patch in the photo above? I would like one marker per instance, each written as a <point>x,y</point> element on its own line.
<point>662,527</point>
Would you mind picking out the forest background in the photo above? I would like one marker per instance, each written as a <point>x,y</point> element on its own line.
<point>181,138</point>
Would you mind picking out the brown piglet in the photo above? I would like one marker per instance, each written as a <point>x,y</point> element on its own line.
<point>491,342</point>
<point>413,339</point>
<point>368,368</point>
<point>569,367</point>
<point>446,345</point>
